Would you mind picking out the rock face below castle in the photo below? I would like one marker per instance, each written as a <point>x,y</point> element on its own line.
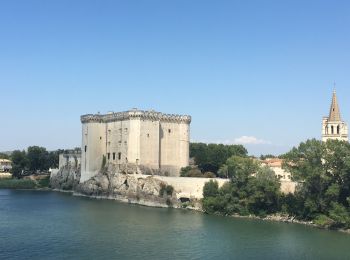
<point>142,138</point>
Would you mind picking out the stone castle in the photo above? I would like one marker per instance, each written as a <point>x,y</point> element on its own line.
<point>333,127</point>
<point>137,138</point>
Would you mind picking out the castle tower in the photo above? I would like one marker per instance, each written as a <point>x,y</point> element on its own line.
<point>332,126</point>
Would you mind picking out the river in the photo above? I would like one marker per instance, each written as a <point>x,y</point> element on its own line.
<point>52,225</point>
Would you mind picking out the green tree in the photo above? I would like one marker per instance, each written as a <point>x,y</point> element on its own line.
<point>210,157</point>
<point>38,158</point>
<point>240,168</point>
<point>323,169</point>
<point>4,156</point>
<point>19,163</point>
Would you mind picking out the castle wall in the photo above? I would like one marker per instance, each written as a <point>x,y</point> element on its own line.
<point>93,148</point>
<point>149,143</point>
<point>117,141</point>
<point>174,154</point>
<point>71,159</point>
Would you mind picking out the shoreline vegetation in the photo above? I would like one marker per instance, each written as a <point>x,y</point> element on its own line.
<point>322,197</point>
<point>25,183</point>
<point>28,184</point>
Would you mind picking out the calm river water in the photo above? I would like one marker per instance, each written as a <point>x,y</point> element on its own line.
<point>50,225</point>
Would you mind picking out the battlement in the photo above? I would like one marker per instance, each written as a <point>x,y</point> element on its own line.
<point>133,114</point>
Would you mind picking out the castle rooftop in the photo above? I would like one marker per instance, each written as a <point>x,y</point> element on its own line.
<point>134,114</point>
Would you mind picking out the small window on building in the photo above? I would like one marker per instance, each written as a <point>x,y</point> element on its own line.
<point>100,137</point>
<point>125,142</point>
<point>119,156</point>
<point>85,148</point>
<point>108,155</point>
<point>169,131</point>
<point>148,135</point>
<point>113,156</point>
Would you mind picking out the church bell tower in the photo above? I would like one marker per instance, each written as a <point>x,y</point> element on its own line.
<point>332,126</point>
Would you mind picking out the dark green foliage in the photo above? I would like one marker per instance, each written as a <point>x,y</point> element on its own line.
<point>44,183</point>
<point>4,156</point>
<point>267,156</point>
<point>210,157</point>
<point>166,190</point>
<point>19,163</point>
<point>211,189</point>
<point>245,194</point>
<point>322,196</point>
<point>195,172</point>
<point>324,172</point>
<point>38,158</point>
<point>17,184</point>
<point>35,159</point>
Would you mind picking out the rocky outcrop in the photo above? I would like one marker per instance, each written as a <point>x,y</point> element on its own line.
<point>66,178</point>
<point>129,184</point>
<point>131,187</point>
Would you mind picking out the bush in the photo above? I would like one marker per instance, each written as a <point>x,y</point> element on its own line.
<point>44,183</point>
<point>211,189</point>
<point>17,184</point>
<point>209,175</point>
<point>166,190</point>
<point>324,221</point>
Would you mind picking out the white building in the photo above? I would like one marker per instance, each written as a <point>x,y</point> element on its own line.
<point>332,126</point>
<point>142,138</point>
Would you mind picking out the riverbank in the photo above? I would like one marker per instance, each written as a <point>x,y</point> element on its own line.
<point>197,207</point>
<point>25,183</point>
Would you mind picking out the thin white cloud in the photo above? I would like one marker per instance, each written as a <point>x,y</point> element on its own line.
<point>250,140</point>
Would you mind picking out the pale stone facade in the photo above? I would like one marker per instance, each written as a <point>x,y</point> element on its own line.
<point>332,126</point>
<point>142,138</point>
<point>69,159</point>
<point>285,178</point>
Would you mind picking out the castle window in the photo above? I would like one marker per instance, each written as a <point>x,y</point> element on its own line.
<point>169,131</point>
<point>119,156</point>
<point>113,156</point>
<point>108,155</point>
<point>338,129</point>
<point>332,130</point>
<point>148,135</point>
<point>100,137</point>
<point>85,148</point>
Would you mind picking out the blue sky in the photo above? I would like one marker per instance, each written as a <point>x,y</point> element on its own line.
<point>261,69</point>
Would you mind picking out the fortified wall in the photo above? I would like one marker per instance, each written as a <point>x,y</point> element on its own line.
<point>157,141</point>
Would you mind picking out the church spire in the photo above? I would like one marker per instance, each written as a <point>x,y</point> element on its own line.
<point>334,114</point>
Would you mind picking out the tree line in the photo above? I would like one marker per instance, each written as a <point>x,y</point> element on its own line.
<point>209,158</point>
<point>322,170</point>
<point>34,159</point>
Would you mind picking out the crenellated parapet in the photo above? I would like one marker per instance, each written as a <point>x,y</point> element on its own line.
<point>136,114</point>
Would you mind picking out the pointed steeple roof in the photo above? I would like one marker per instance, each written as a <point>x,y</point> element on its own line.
<point>334,114</point>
